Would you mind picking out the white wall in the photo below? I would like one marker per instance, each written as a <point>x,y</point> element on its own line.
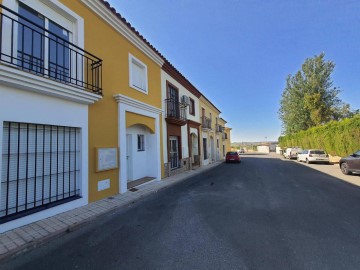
<point>184,136</point>
<point>28,107</point>
<point>263,149</point>
<point>143,162</point>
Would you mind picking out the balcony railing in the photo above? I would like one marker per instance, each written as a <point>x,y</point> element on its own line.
<point>32,48</point>
<point>175,112</point>
<point>218,128</point>
<point>206,122</point>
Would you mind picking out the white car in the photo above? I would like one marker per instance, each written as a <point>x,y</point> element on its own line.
<point>292,152</point>
<point>313,156</point>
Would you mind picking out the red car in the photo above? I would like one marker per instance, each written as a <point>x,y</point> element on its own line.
<point>232,157</point>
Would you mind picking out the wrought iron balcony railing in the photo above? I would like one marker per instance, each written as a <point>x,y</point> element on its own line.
<point>206,122</point>
<point>219,128</point>
<point>27,46</point>
<point>175,111</point>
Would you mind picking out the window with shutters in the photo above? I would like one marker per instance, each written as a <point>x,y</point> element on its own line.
<point>40,168</point>
<point>138,74</point>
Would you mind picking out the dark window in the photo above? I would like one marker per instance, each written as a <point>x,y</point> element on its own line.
<point>217,143</point>
<point>192,107</point>
<point>141,143</point>
<point>31,40</point>
<point>173,104</point>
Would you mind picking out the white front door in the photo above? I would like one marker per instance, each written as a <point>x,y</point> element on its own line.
<point>129,157</point>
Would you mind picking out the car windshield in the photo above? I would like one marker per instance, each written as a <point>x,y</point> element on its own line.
<point>231,153</point>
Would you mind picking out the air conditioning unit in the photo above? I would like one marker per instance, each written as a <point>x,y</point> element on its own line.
<point>185,100</point>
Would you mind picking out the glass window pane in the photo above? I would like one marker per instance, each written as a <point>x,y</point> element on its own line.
<point>59,53</point>
<point>30,51</point>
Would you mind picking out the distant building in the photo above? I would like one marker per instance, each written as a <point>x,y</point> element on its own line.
<point>263,149</point>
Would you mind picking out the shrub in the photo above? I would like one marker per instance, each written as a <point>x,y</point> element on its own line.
<point>338,138</point>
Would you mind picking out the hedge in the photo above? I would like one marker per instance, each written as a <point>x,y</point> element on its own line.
<point>338,138</point>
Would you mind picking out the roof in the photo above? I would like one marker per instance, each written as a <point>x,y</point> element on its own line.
<point>168,67</point>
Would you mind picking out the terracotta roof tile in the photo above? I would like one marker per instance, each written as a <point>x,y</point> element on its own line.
<point>185,82</point>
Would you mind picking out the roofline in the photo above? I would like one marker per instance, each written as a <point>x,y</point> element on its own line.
<point>210,103</point>
<point>174,73</point>
<point>161,60</point>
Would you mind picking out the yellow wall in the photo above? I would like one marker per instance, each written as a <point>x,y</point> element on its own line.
<point>228,141</point>
<point>106,43</point>
<point>222,141</point>
<point>134,118</point>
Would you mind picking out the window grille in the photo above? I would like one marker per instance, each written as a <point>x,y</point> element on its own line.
<point>40,168</point>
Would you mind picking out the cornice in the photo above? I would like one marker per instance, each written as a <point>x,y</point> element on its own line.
<point>113,20</point>
<point>137,104</point>
<point>175,74</point>
<point>26,81</point>
<point>208,103</point>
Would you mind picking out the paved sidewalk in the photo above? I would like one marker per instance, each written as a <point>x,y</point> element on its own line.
<point>24,238</point>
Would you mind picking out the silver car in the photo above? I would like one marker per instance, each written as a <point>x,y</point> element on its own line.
<point>313,156</point>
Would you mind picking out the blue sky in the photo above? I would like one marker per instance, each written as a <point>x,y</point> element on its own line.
<point>239,52</point>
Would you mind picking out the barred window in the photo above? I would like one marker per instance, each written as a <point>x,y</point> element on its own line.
<point>40,168</point>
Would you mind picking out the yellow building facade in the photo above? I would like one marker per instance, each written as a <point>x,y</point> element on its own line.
<point>209,141</point>
<point>227,139</point>
<point>128,116</point>
<point>91,91</point>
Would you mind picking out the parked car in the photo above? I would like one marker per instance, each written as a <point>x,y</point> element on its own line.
<point>313,156</point>
<point>350,164</point>
<point>292,152</point>
<point>232,157</point>
<point>242,151</point>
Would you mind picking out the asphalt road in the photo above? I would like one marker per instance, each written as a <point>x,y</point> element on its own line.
<point>265,213</point>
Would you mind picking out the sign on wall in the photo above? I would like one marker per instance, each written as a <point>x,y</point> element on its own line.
<point>106,158</point>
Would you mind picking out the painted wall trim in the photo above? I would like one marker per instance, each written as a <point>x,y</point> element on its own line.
<point>136,104</point>
<point>126,104</point>
<point>123,29</point>
<point>26,81</point>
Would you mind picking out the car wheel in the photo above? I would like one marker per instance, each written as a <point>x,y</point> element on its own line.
<point>345,168</point>
<point>307,161</point>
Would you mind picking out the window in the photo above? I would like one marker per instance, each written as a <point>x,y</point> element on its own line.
<point>141,143</point>
<point>205,148</point>
<point>174,152</point>
<point>49,56</point>
<point>217,143</point>
<point>138,74</point>
<point>40,168</point>
<point>192,107</point>
<point>173,109</point>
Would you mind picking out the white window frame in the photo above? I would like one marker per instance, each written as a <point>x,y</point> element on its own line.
<point>134,61</point>
<point>55,11</point>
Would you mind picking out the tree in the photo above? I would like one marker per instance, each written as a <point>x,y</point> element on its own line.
<point>309,98</point>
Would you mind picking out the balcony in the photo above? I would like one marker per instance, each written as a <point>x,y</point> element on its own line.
<point>31,48</point>
<point>175,112</point>
<point>218,128</point>
<point>206,123</point>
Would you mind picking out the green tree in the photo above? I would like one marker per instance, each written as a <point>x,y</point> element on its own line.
<point>309,98</point>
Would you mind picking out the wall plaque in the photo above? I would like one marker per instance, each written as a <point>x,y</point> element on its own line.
<point>106,158</point>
